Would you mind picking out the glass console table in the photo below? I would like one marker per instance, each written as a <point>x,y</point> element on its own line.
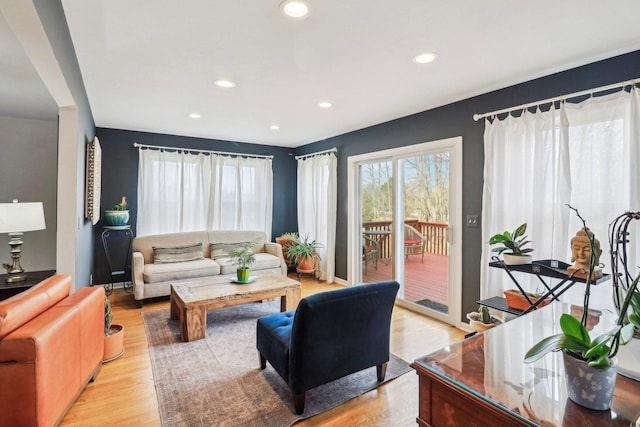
<point>483,381</point>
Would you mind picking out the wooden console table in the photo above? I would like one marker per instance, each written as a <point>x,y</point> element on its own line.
<point>483,380</point>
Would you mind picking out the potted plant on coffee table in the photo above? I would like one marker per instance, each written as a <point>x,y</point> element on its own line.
<point>113,335</point>
<point>512,249</point>
<point>243,256</point>
<point>590,363</point>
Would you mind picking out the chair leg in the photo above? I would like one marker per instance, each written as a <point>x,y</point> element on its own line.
<point>298,402</point>
<point>263,361</point>
<point>382,371</point>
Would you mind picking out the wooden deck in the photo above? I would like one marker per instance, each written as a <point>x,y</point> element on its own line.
<point>423,281</point>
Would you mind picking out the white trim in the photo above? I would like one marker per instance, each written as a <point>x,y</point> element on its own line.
<point>454,145</point>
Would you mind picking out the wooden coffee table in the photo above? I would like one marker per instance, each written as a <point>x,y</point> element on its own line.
<point>191,300</point>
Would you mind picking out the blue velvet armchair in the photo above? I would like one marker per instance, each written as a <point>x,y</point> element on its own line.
<point>330,335</point>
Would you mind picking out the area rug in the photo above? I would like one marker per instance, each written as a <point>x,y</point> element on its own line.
<point>218,381</point>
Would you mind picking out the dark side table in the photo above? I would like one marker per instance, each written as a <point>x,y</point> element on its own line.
<point>117,265</point>
<point>33,278</point>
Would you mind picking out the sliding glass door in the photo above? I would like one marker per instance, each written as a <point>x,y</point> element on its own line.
<point>407,204</point>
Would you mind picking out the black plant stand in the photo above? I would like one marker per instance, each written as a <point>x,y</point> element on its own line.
<point>550,268</point>
<point>120,268</point>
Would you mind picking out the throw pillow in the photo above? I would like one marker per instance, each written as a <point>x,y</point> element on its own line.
<point>219,250</point>
<point>169,254</point>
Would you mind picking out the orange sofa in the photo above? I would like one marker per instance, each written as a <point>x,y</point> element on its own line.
<point>51,346</point>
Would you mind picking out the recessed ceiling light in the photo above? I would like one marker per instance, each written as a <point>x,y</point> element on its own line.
<point>324,104</point>
<point>425,58</point>
<point>224,83</point>
<point>274,127</point>
<point>296,9</point>
<point>195,115</point>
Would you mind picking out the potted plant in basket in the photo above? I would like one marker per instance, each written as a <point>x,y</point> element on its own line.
<point>482,320</point>
<point>113,335</point>
<point>590,364</point>
<point>286,240</point>
<point>243,256</point>
<point>304,253</point>
<point>118,216</point>
<point>512,249</point>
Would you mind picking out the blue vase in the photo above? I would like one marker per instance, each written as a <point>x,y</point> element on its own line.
<point>116,218</point>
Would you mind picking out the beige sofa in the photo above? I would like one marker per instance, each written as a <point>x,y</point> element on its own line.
<point>176,258</point>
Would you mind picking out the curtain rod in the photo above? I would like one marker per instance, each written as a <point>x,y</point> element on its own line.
<point>330,150</point>
<point>192,150</point>
<point>633,82</point>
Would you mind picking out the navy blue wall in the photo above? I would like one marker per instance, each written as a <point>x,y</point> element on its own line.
<point>120,158</point>
<point>120,178</point>
<point>457,120</point>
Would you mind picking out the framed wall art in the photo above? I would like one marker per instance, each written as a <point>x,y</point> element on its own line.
<point>93,181</point>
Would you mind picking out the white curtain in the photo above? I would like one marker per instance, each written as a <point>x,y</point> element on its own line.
<point>585,155</point>
<point>189,192</point>
<point>317,204</point>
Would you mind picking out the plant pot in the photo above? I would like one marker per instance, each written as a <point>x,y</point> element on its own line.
<point>590,387</point>
<point>515,299</point>
<point>511,259</point>
<point>307,264</point>
<point>243,274</point>
<point>113,343</point>
<point>477,324</point>
<point>116,218</point>
<point>285,250</point>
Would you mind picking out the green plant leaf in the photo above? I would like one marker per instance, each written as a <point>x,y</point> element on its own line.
<point>603,362</point>
<point>546,345</point>
<point>626,333</point>
<point>520,231</point>
<point>597,351</point>
<point>498,238</point>
<point>572,326</point>
<point>634,319</point>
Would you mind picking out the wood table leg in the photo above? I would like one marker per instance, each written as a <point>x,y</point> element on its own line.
<point>289,301</point>
<point>193,323</point>
<point>175,308</point>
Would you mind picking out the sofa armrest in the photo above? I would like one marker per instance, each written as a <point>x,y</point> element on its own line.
<point>137,271</point>
<point>276,250</point>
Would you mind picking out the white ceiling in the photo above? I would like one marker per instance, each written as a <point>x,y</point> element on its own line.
<point>147,64</point>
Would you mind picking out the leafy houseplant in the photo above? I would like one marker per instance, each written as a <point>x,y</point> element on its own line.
<point>513,244</point>
<point>113,335</point>
<point>118,216</point>
<point>304,253</point>
<point>286,240</point>
<point>584,356</point>
<point>243,256</point>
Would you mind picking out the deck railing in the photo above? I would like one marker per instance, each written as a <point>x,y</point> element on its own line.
<point>434,232</point>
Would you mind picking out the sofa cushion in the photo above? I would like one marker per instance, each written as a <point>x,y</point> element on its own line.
<point>180,253</point>
<point>180,270</point>
<point>263,261</point>
<point>19,309</point>
<point>219,250</point>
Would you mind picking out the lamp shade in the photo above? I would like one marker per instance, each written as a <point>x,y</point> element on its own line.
<point>18,217</point>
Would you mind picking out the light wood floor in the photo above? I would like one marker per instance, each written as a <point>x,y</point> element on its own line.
<point>124,394</point>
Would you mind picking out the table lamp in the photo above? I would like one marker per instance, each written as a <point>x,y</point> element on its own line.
<point>16,218</point>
